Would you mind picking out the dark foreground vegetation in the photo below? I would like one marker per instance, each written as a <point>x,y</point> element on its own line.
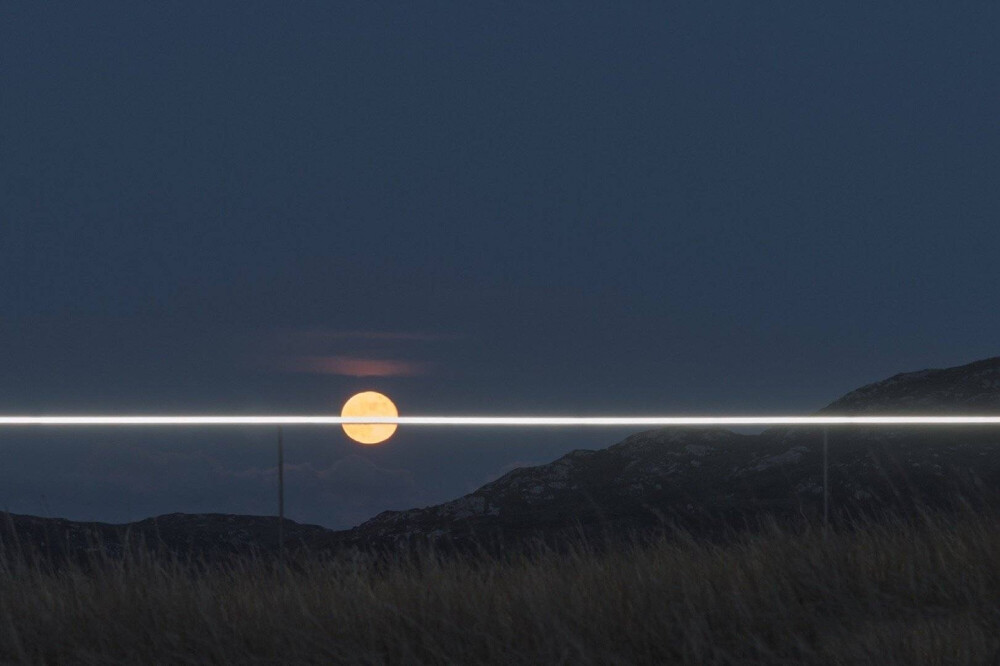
<point>886,591</point>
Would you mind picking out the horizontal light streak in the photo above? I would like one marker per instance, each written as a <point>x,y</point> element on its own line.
<point>523,421</point>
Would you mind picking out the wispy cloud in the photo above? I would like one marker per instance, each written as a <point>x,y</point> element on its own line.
<point>314,335</point>
<point>348,352</point>
<point>354,366</point>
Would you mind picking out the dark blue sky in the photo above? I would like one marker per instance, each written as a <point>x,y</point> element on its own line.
<point>499,208</point>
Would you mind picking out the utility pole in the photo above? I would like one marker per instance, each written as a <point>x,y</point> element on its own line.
<point>281,500</point>
<point>826,492</point>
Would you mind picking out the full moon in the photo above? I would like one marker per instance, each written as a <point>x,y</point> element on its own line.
<point>369,403</point>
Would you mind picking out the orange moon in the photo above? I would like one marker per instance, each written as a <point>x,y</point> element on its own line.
<point>369,403</point>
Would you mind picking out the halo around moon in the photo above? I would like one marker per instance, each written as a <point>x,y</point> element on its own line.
<point>369,403</point>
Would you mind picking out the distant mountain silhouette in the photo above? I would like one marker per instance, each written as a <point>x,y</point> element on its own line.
<point>698,478</point>
<point>706,479</point>
<point>209,535</point>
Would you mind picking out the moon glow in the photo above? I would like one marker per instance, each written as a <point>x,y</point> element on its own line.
<point>369,403</point>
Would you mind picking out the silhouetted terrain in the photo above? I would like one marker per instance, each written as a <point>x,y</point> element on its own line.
<point>706,479</point>
<point>209,535</point>
<point>700,479</point>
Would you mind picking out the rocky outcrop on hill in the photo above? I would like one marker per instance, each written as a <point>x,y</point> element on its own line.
<point>969,389</point>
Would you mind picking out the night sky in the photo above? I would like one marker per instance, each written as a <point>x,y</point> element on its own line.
<point>475,208</point>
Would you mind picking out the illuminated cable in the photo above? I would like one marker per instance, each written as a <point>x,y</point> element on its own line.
<point>524,421</point>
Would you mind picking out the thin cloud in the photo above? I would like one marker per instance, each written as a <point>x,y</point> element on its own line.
<point>392,335</point>
<point>346,352</point>
<point>355,366</point>
<point>313,335</point>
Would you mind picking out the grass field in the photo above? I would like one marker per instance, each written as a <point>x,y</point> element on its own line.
<point>894,591</point>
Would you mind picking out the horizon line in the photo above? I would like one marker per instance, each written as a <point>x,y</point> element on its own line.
<point>523,421</point>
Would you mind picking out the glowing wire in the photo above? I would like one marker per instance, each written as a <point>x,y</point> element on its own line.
<point>525,421</point>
